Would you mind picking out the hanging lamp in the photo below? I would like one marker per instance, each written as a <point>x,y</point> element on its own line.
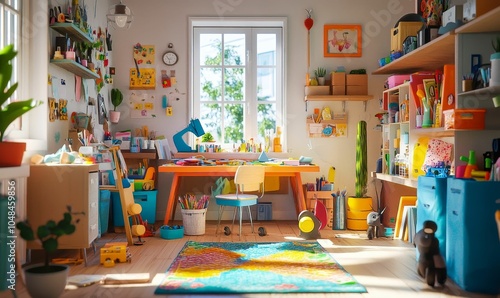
<point>120,16</point>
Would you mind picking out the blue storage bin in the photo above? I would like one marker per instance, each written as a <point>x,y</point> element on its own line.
<point>147,200</point>
<point>472,245</point>
<point>104,203</point>
<point>431,205</point>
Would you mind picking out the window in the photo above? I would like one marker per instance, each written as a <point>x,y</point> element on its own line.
<point>237,75</point>
<point>10,27</point>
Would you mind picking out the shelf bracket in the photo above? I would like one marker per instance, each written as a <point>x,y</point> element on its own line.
<point>364,105</point>
<point>306,104</point>
<point>343,106</point>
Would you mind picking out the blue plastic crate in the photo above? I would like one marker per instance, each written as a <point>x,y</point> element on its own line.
<point>431,205</point>
<point>147,200</point>
<point>472,245</point>
<point>171,232</point>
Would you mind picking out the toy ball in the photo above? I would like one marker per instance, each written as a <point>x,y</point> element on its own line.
<point>306,224</point>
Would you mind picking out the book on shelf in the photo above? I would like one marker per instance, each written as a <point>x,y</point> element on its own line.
<point>163,149</point>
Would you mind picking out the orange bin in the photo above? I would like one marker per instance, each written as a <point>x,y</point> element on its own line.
<point>464,119</point>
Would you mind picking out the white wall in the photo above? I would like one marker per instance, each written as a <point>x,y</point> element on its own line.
<point>159,22</point>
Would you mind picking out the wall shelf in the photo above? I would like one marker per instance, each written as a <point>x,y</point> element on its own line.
<point>72,31</point>
<point>76,68</point>
<point>338,97</point>
<point>430,56</point>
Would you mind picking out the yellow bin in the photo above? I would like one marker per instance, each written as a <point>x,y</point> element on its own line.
<point>359,204</point>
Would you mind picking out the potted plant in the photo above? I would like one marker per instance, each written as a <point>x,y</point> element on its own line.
<point>360,204</point>
<point>47,280</point>
<point>116,100</point>
<point>207,138</point>
<point>495,63</point>
<point>320,74</point>
<point>11,153</point>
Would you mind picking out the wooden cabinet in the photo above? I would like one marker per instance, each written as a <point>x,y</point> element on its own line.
<point>325,197</point>
<point>455,47</point>
<point>51,188</point>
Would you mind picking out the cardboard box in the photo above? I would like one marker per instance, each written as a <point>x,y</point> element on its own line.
<point>475,8</point>
<point>357,90</point>
<point>401,32</point>
<point>338,90</point>
<point>338,78</point>
<point>357,80</point>
<point>453,15</point>
<point>317,90</point>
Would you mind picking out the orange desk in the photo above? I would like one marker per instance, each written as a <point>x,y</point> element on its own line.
<point>202,171</point>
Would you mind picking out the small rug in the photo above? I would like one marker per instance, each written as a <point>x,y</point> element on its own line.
<point>269,267</point>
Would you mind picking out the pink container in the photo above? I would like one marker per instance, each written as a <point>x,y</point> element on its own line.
<point>396,80</point>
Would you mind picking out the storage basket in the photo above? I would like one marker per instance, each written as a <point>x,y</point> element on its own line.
<point>194,221</point>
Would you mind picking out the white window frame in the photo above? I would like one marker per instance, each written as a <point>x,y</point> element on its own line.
<point>259,25</point>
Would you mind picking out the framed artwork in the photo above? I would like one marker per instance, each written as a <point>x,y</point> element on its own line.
<point>342,40</point>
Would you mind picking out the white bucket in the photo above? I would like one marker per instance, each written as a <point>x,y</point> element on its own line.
<point>194,221</point>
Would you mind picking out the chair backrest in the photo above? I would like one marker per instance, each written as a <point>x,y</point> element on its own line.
<point>249,178</point>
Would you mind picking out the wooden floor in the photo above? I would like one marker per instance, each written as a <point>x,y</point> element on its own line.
<point>385,266</point>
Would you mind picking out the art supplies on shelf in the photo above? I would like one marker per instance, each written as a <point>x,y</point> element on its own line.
<point>190,201</point>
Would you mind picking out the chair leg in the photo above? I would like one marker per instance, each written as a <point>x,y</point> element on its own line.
<point>221,209</point>
<point>241,215</point>
<point>234,217</point>
<point>250,214</point>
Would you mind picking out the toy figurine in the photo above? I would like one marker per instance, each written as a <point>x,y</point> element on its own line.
<point>375,227</point>
<point>431,265</point>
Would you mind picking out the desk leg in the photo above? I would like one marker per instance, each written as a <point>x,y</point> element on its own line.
<point>298,194</point>
<point>171,199</point>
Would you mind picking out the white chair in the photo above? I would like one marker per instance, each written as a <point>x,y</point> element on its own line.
<point>248,178</point>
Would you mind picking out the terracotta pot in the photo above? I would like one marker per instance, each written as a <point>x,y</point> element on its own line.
<point>11,153</point>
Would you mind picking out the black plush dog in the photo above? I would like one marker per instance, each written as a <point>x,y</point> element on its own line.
<point>431,265</point>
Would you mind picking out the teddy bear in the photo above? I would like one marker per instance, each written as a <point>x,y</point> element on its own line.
<point>431,265</point>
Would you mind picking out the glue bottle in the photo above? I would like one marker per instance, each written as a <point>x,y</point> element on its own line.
<point>471,163</point>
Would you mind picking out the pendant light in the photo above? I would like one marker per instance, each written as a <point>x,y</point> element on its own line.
<point>120,16</point>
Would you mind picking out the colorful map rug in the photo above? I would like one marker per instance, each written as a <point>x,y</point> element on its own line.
<point>270,267</point>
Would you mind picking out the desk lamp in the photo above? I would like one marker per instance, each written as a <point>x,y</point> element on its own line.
<point>194,127</point>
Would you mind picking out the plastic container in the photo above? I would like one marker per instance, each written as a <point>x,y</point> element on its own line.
<point>147,200</point>
<point>464,119</point>
<point>194,221</point>
<point>431,205</point>
<point>472,246</point>
<point>171,232</point>
<point>104,203</point>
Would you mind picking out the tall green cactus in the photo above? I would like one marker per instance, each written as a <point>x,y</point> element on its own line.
<point>361,160</point>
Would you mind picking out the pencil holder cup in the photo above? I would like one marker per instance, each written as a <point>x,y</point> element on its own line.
<point>466,85</point>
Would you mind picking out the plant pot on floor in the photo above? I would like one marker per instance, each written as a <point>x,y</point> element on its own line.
<point>42,284</point>
<point>114,116</point>
<point>11,153</point>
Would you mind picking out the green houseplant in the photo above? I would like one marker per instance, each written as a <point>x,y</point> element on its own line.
<point>47,280</point>
<point>12,152</point>
<point>116,100</point>
<point>320,74</point>
<point>207,137</point>
<point>360,204</point>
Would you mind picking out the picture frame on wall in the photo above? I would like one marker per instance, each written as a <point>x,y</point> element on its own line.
<point>342,40</point>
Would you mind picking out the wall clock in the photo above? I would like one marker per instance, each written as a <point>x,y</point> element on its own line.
<point>170,58</point>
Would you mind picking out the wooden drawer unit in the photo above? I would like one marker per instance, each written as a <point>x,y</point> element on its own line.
<point>325,197</point>
<point>51,188</point>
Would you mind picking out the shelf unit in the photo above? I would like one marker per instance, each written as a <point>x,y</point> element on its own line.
<point>338,97</point>
<point>76,34</point>
<point>454,47</point>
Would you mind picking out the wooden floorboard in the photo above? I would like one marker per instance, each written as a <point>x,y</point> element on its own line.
<point>385,266</point>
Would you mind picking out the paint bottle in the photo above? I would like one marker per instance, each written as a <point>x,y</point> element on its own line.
<point>471,163</point>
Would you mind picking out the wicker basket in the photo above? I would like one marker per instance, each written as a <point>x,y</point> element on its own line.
<point>194,221</point>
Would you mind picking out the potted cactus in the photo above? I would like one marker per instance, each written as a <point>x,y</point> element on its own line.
<point>116,100</point>
<point>360,204</point>
<point>11,153</point>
